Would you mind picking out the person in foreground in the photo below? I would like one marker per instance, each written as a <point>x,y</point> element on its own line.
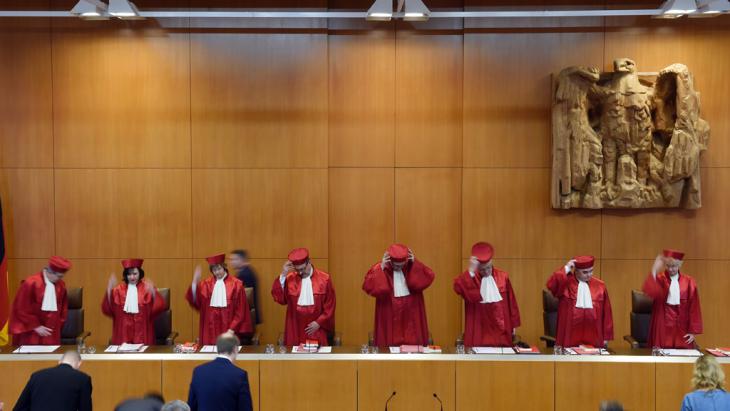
<point>219,385</point>
<point>60,388</point>
<point>708,382</point>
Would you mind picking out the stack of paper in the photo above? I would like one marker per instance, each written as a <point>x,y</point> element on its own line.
<point>493,350</point>
<point>719,351</point>
<point>680,353</point>
<point>36,349</point>
<point>299,349</point>
<point>214,349</point>
<point>128,348</point>
<point>531,350</point>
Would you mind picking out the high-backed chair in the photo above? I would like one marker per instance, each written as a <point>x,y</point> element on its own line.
<point>164,335</point>
<point>73,332</point>
<point>549,318</point>
<point>640,317</point>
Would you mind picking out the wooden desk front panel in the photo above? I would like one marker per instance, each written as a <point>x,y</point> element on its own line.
<point>520,385</point>
<point>582,386</point>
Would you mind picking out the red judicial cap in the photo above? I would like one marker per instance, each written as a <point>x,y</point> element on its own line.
<point>677,255</point>
<point>59,264</point>
<point>584,261</point>
<point>482,251</point>
<point>132,263</point>
<point>216,259</point>
<point>298,256</point>
<point>398,252</point>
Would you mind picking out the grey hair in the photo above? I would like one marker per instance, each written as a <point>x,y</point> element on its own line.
<point>175,405</point>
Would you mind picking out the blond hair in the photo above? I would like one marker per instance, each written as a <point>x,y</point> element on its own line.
<point>708,374</point>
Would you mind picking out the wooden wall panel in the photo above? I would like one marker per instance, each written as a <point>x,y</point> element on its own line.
<point>507,92</point>
<point>115,381</point>
<point>655,44</point>
<point>19,269</point>
<point>427,219</point>
<point>497,386</point>
<point>123,213</point>
<point>510,208</point>
<point>362,98</point>
<point>310,385</point>
<point>26,122</point>
<point>428,97</point>
<point>700,233</point>
<point>361,217</point>
<point>28,212</point>
<point>259,100</point>
<point>269,212</point>
<point>113,106</point>
<point>414,382</point>
<point>583,385</point>
<point>11,388</point>
<point>176,377</point>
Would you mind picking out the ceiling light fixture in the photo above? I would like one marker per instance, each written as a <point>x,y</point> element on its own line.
<point>124,9</point>
<point>90,10</point>
<point>381,10</point>
<point>416,11</point>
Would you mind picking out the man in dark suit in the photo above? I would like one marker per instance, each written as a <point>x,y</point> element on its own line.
<point>219,385</point>
<point>61,388</point>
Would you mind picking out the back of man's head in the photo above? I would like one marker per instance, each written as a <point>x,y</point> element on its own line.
<point>71,358</point>
<point>227,345</point>
<point>611,406</point>
<point>154,395</point>
<point>176,405</point>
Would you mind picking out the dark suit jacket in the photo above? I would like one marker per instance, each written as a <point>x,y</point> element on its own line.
<point>60,388</point>
<point>219,386</point>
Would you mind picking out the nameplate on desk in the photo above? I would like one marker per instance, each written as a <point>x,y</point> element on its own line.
<point>36,349</point>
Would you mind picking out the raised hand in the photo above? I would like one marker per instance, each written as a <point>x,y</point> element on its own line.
<point>385,261</point>
<point>197,274</point>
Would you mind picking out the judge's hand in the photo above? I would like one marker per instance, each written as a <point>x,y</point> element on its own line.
<point>689,338</point>
<point>385,261</point>
<point>112,282</point>
<point>570,266</point>
<point>287,268</point>
<point>43,331</point>
<point>197,274</point>
<point>312,328</point>
<point>230,332</point>
<point>411,256</point>
<point>150,286</point>
<point>473,264</point>
<point>658,265</point>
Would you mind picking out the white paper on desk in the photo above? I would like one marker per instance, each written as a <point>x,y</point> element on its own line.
<point>395,350</point>
<point>493,350</point>
<point>112,348</point>
<point>681,353</point>
<point>214,349</point>
<point>130,347</point>
<point>325,349</point>
<point>36,349</point>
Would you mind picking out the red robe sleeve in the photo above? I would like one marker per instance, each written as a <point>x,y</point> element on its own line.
<point>695,314</point>
<point>325,320</point>
<point>241,319</point>
<point>514,310</point>
<point>465,286</point>
<point>159,305</point>
<point>556,282</point>
<point>376,282</point>
<point>106,305</point>
<point>277,291</point>
<point>195,303</point>
<point>655,288</point>
<point>63,306</point>
<point>419,277</point>
<point>24,317</point>
<point>607,317</point>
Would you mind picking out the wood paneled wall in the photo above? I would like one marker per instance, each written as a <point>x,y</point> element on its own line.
<point>171,140</point>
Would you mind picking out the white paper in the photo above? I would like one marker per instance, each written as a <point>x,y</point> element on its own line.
<point>325,349</point>
<point>395,350</point>
<point>118,348</point>
<point>213,349</point>
<point>36,349</point>
<point>112,348</point>
<point>681,353</point>
<point>130,347</point>
<point>493,350</point>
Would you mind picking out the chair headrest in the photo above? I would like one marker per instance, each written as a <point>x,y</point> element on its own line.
<point>640,302</point>
<point>549,302</point>
<point>75,298</point>
<point>165,293</point>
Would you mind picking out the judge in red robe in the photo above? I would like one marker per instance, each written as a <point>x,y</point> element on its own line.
<point>397,283</point>
<point>309,297</point>
<point>40,306</point>
<point>491,312</point>
<point>675,317</point>
<point>584,310</point>
<point>221,300</point>
<point>132,305</point>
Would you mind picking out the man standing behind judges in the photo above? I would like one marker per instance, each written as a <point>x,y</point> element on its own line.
<point>309,297</point>
<point>491,312</point>
<point>675,317</point>
<point>40,306</point>
<point>61,388</point>
<point>584,310</point>
<point>219,385</point>
<point>397,282</point>
<point>238,260</point>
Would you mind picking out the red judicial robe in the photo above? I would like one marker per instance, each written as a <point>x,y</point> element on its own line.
<point>488,324</point>
<point>298,317</point>
<point>26,313</point>
<point>132,328</point>
<point>214,321</point>
<point>578,326</point>
<point>670,323</point>
<point>399,320</point>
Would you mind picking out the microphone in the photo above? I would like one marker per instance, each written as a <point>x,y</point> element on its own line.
<point>388,400</point>
<point>439,400</point>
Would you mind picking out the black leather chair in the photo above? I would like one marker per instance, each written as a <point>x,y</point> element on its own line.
<point>549,318</point>
<point>641,306</point>
<point>73,332</point>
<point>164,335</point>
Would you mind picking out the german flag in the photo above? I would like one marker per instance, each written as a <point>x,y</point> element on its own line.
<point>4,294</point>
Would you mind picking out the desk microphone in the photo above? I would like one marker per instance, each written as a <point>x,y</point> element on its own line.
<point>439,400</point>
<point>388,400</point>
